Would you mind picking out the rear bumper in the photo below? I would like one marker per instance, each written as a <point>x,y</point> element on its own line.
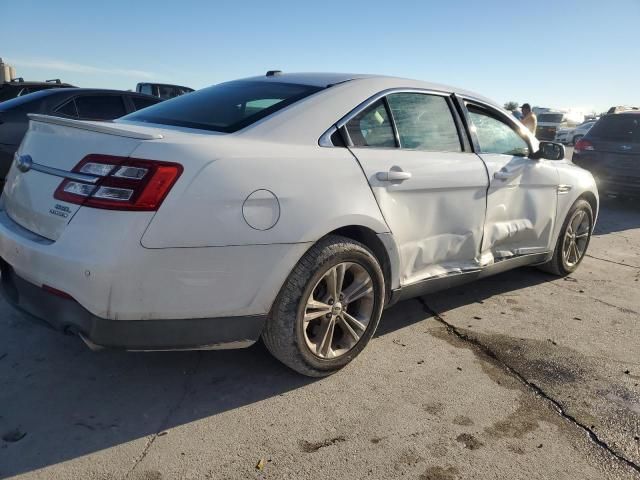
<point>98,260</point>
<point>67,315</point>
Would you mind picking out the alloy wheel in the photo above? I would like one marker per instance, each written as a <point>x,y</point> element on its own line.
<point>338,310</point>
<point>576,238</point>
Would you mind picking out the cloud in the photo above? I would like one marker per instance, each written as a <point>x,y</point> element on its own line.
<point>51,64</point>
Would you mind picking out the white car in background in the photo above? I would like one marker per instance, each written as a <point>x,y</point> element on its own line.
<point>292,207</point>
<point>552,121</point>
<point>571,136</point>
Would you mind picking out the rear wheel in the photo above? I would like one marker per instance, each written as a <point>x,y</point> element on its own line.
<point>573,241</point>
<point>328,309</point>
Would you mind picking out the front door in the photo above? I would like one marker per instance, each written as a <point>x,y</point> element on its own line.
<point>522,195</point>
<point>430,187</point>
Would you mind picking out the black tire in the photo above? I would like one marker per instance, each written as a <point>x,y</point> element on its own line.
<point>576,139</point>
<point>558,264</point>
<point>284,333</point>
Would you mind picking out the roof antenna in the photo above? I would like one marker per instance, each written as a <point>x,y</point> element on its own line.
<point>274,73</point>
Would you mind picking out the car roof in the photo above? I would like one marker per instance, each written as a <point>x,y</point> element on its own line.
<point>164,84</point>
<point>75,90</point>
<point>328,79</point>
<point>29,83</point>
<point>626,112</point>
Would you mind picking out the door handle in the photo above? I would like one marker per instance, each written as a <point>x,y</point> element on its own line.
<point>393,176</point>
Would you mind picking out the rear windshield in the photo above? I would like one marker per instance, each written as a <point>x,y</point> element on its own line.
<point>617,128</point>
<point>227,107</point>
<point>550,117</point>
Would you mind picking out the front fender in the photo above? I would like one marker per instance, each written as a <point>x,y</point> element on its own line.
<point>574,183</point>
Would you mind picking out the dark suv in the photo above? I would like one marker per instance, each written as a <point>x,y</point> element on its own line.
<point>77,103</point>
<point>611,152</point>
<point>18,87</point>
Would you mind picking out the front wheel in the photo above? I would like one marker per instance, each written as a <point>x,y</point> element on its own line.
<point>573,241</point>
<point>328,309</point>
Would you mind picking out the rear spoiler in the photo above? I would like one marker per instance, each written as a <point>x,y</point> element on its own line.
<point>100,127</point>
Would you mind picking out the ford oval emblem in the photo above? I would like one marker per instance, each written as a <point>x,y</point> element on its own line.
<point>24,163</point>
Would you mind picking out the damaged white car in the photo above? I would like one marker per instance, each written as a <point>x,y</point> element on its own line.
<point>288,207</point>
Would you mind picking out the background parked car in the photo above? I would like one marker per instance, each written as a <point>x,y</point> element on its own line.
<point>18,87</point>
<point>79,103</point>
<point>162,90</point>
<point>550,122</point>
<point>568,135</point>
<point>611,151</point>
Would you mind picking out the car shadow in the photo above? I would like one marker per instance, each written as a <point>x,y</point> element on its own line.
<point>617,215</point>
<point>473,292</point>
<point>70,402</point>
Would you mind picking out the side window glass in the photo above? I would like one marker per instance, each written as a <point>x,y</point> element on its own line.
<point>68,109</point>
<point>496,136</point>
<point>166,91</point>
<point>372,127</point>
<point>146,88</point>
<point>140,102</point>
<point>424,122</point>
<point>100,107</point>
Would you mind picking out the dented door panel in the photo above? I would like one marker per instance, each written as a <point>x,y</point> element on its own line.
<point>521,206</point>
<point>437,215</point>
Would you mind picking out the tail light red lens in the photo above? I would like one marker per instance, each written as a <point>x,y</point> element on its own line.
<point>583,145</point>
<point>120,183</point>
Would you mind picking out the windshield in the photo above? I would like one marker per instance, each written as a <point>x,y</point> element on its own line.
<point>227,107</point>
<point>550,117</point>
<point>617,128</point>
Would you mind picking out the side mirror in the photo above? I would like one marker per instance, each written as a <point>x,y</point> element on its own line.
<point>549,151</point>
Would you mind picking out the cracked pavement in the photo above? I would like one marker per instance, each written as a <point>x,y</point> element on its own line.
<point>522,375</point>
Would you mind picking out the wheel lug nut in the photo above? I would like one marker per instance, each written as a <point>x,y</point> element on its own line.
<point>331,301</point>
<point>328,315</point>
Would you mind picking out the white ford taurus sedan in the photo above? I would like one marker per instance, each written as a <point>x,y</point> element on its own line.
<point>289,207</point>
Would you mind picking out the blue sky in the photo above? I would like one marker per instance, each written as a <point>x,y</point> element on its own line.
<point>571,53</point>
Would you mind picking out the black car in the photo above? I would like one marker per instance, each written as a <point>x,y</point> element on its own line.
<point>78,103</point>
<point>19,87</point>
<point>611,152</point>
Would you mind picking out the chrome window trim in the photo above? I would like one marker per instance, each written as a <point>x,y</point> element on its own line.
<point>325,139</point>
<point>369,101</point>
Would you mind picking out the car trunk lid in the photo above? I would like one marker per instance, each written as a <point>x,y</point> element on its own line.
<point>55,146</point>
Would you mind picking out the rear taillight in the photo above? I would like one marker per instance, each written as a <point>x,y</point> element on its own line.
<point>583,145</point>
<point>119,183</point>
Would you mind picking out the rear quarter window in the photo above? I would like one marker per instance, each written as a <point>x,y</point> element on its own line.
<point>226,107</point>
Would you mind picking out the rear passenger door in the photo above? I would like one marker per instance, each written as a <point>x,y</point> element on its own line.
<point>430,187</point>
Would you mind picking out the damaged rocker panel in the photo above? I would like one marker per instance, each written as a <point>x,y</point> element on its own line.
<point>444,282</point>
